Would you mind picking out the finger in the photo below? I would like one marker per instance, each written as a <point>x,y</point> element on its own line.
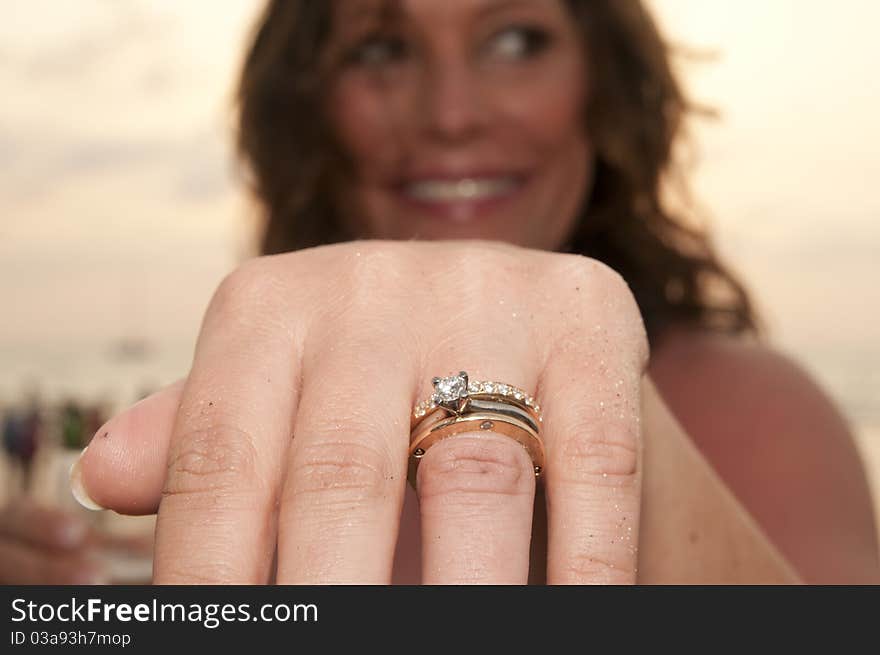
<point>25,565</point>
<point>125,464</point>
<point>591,423</point>
<point>216,521</point>
<point>42,527</point>
<point>343,494</point>
<point>476,492</point>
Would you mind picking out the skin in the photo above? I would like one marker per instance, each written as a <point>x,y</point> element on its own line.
<point>331,496</point>
<point>462,90</point>
<point>39,545</point>
<point>632,491</point>
<point>780,445</point>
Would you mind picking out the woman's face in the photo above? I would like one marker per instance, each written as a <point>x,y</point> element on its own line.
<point>461,119</point>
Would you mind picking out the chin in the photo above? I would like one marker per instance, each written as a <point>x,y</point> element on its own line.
<point>434,231</point>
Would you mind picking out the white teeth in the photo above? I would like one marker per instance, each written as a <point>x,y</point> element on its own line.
<point>464,189</point>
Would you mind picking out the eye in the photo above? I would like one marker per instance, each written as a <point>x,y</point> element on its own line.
<point>519,42</point>
<point>377,50</point>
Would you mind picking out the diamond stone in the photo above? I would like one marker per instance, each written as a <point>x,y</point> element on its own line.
<point>450,389</point>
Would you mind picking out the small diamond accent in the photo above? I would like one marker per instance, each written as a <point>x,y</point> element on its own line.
<point>451,389</point>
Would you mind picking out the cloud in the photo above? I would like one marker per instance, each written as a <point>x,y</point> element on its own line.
<point>204,177</point>
<point>78,51</point>
<point>10,150</point>
<point>196,168</point>
<point>99,157</point>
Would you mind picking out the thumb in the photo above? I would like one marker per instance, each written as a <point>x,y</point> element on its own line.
<point>123,468</point>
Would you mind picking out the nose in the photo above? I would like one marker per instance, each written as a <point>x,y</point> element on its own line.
<point>453,107</point>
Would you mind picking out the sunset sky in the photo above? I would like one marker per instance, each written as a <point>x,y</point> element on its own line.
<point>120,212</point>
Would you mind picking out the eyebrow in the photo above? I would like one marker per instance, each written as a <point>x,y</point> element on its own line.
<point>493,6</point>
<point>371,9</point>
<point>364,14</point>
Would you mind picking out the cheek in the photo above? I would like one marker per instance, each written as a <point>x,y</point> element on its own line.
<point>361,119</point>
<point>365,117</point>
<point>549,110</point>
<point>548,116</point>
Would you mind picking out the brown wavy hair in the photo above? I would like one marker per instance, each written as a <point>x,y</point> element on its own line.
<point>635,118</point>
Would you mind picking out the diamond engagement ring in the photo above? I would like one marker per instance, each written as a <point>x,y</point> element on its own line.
<point>462,405</point>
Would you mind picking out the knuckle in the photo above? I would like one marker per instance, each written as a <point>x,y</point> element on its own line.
<point>377,265</point>
<point>486,264</point>
<point>346,466</point>
<point>370,282</point>
<point>588,270</point>
<point>220,457</point>
<point>475,466</point>
<point>599,454</point>
<point>195,573</point>
<point>594,568</point>
<point>254,287</point>
<point>596,289</point>
<point>601,283</point>
<point>483,275</point>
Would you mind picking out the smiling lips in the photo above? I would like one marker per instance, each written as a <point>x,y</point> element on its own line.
<point>463,198</point>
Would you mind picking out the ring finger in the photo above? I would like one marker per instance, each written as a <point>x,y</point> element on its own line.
<point>476,489</point>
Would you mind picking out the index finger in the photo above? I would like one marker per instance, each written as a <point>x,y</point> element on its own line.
<point>216,520</point>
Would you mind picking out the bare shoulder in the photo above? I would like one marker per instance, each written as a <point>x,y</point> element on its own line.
<point>780,444</point>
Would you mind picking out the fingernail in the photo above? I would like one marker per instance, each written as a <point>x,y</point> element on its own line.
<point>76,485</point>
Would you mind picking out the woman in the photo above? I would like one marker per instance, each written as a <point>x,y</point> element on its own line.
<point>493,153</point>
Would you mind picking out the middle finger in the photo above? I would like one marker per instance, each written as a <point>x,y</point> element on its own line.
<point>476,489</point>
<point>343,493</point>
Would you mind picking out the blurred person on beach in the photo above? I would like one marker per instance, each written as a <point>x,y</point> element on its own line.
<point>43,542</point>
<point>22,433</point>
<point>39,544</point>
<point>481,184</point>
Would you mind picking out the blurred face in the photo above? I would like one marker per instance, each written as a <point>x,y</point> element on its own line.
<point>461,119</point>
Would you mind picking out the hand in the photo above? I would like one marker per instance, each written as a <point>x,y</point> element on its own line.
<point>39,545</point>
<point>293,424</point>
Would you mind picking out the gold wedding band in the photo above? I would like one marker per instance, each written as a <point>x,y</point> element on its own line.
<point>461,405</point>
